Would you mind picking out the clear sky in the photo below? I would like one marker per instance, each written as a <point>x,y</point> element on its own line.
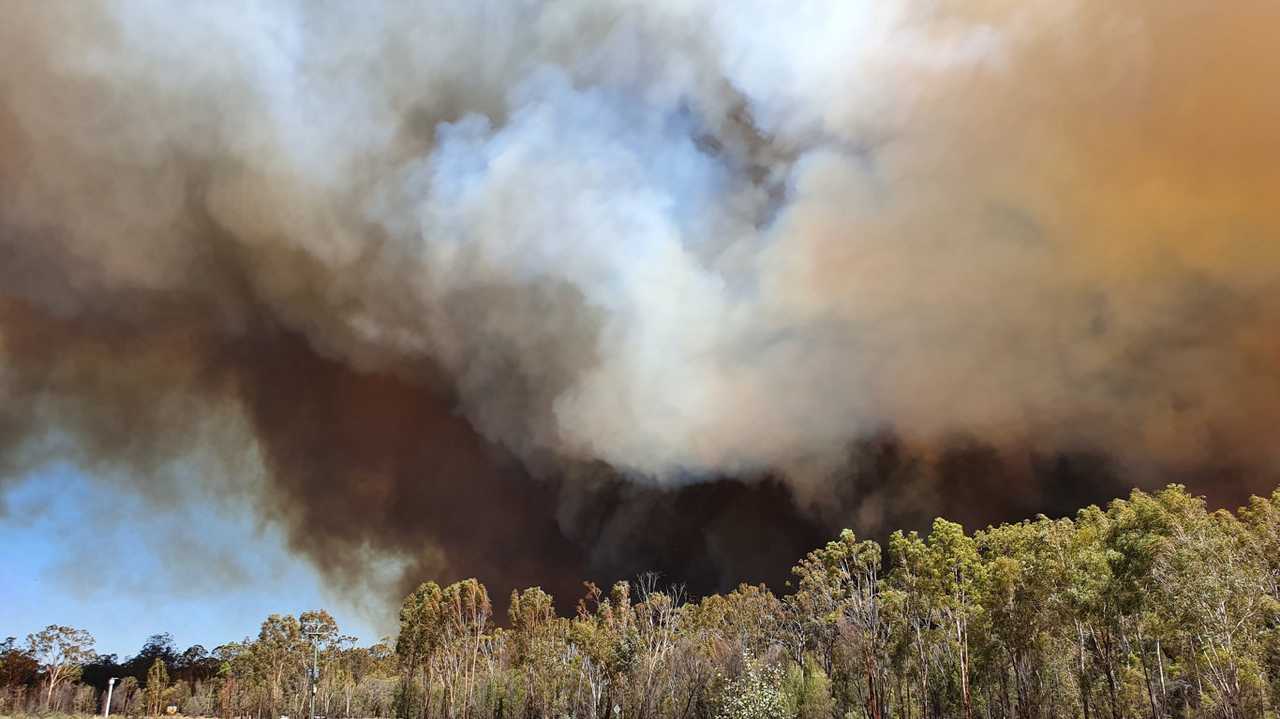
<point>99,557</point>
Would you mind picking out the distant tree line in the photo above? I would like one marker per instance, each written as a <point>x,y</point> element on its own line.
<point>1153,607</point>
<point>261,677</point>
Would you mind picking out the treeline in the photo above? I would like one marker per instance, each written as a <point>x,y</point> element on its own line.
<point>262,677</point>
<point>1154,607</point>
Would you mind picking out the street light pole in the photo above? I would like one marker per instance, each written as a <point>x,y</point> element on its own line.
<point>106,709</point>
<point>315,666</point>
<point>315,674</point>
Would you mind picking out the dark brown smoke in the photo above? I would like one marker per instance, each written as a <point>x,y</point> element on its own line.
<point>365,469</point>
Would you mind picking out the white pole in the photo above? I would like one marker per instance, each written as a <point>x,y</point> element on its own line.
<point>315,674</point>
<point>106,709</point>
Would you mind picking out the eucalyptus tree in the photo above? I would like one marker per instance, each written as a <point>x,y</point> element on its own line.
<point>60,651</point>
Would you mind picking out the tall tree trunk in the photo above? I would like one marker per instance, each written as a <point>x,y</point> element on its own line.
<point>1146,675</point>
<point>1164,692</point>
<point>1084,674</point>
<point>1017,686</point>
<point>924,675</point>
<point>962,636</point>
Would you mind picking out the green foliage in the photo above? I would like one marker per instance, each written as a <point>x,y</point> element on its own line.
<point>60,652</point>
<point>1153,606</point>
<point>807,691</point>
<point>157,686</point>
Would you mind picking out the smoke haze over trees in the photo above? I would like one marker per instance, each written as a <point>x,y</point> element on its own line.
<point>539,291</point>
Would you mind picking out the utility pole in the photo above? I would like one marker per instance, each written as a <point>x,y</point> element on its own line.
<point>314,634</point>
<point>106,708</point>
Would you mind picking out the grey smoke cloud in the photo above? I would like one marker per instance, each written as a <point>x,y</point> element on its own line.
<point>680,239</point>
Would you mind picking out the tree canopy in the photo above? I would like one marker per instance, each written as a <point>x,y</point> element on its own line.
<point>1154,606</point>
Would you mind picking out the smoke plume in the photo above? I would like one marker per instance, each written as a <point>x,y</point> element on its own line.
<point>543,291</point>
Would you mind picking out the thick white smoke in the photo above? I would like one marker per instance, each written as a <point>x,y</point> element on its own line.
<point>688,236</point>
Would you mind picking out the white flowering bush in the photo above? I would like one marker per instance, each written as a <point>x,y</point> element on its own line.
<point>754,694</point>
